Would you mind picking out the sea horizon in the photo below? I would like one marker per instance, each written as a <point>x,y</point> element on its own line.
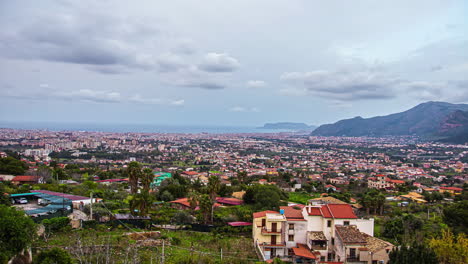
<point>137,128</point>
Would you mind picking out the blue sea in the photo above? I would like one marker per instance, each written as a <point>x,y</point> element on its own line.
<point>137,128</point>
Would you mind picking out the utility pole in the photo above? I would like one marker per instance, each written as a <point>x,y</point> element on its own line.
<point>221,255</point>
<point>162,255</point>
<point>91,206</point>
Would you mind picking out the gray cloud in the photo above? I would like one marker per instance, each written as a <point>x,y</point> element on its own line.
<point>219,62</point>
<point>82,38</point>
<point>83,95</point>
<point>342,85</point>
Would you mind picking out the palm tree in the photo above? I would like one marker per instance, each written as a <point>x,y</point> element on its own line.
<point>193,198</point>
<point>142,202</point>
<point>146,179</point>
<point>134,173</point>
<point>213,186</point>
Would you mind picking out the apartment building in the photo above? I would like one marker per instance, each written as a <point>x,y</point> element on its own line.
<point>318,233</point>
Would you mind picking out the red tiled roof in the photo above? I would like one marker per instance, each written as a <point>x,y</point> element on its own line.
<point>302,251</point>
<point>182,201</point>
<point>263,214</point>
<point>25,178</point>
<point>452,188</point>
<point>343,211</point>
<point>113,180</point>
<point>397,181</point>
<point>292,214</point>
<point>230,201</point>
<point>190,172</point>
<point>239,223</point>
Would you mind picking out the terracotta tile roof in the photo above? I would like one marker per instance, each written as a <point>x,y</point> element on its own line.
<point>302,251</point>
<point>292,214</point>
<point>451,188</point>
<point>182,201</point>
<point>263,214</point>
<point>317,235</point>
<point>230,201</point>
<point>340,211</point>
<point>329,199</point>
<point>25,178</point>
<point>375,244</point>
<point>350,234</point>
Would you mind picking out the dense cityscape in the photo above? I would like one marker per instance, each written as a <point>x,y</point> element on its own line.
<point>263,196</point>
<point>233,132</point>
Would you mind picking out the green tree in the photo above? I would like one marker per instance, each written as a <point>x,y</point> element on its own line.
<point>134,172</point>
<point>416,253</point>
<point>242,176</point>
<point>193,198</point>
<point>53,256</point>
<point>10,165</point>
<point>17,232</point>
<point>450,249</point>
<point>456,216</point>
<point>206,207</point>
<point>213,186</point>
<point>146,179</point>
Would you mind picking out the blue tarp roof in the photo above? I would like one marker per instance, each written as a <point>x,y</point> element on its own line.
<point>55,203</point>
<point>23,194</point>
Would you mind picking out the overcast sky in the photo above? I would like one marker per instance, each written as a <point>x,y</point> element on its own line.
<point>236,62</point>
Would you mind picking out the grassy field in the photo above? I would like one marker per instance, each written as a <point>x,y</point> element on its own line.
<point>301,198</point>
<point>102,245</point>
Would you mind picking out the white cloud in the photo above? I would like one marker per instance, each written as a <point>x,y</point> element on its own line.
<point>219,62</point>
<point>256,84</point>
<point>243,109</point>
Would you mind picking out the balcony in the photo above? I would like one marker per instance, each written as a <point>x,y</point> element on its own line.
<point>269,231</point>
<point>354,259</point>
<point>318,247</point>
<point>269,245</point>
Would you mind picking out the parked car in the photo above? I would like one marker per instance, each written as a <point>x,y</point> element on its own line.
<point>22,201</point>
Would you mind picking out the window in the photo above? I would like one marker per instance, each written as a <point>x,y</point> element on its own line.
<point>329,223</point>
<point>346,223</point>
<point>263,222</point>
<point>333,241</point>
<point>352,252</point>
<point>291,238</point>
<point>291,226</point>
<point>374,262</point>
<point>322,258</point>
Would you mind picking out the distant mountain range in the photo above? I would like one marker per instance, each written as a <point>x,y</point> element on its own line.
<point>435,120</point>
<point>288,125</point>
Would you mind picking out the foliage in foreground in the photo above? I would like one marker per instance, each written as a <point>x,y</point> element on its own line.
<point>17,232</point>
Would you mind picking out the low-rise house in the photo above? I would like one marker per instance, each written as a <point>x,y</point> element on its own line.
<point>452,190</point>
<point>382,182</point>
<point>26,179</point>
<point>318,233</point>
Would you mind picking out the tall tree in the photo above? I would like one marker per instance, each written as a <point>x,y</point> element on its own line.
<point>134,173</point>
<point>213,186</point>
<point>17,231</point>
<point>206,207</point>
<point>416,253</point>
<point>242,176</point>
<point>146,179</point>
<point>450,249</point>
<point>193,198</point>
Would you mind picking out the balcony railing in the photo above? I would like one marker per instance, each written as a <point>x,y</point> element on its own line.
<point>269,231</point>
<point>352,259</point>
<point>318,247</point>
